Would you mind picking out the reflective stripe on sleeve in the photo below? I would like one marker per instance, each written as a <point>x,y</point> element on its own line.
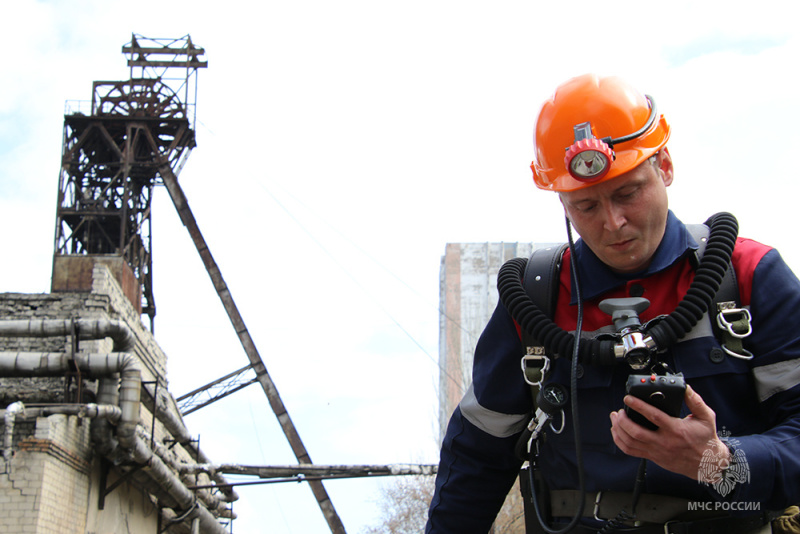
<point>776,377</point>
<point>499,425</point>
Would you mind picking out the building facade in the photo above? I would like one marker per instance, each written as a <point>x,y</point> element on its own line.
<point>467,298</point>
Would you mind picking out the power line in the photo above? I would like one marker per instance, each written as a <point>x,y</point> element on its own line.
<point>358,283</point>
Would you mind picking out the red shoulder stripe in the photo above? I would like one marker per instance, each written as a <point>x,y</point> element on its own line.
<point>746,256</point>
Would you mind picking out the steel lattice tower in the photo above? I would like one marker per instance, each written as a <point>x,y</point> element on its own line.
<point>114,154</point>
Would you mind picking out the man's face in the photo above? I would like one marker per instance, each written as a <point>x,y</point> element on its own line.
<point>623,219</point>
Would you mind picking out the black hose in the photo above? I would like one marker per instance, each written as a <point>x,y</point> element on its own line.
<point>557,342</point>
<point>707,279</point>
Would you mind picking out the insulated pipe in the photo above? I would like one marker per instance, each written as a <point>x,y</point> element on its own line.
<point>101,431</point>
<point>96,365</point>
<point>50,364</point>
<point>88,411</point>
<point>211,501</point>
<point>312,470</point>
<point>118,331</point>
<point>124,341</point>
<point>182,498</point>
<point>158,472</point>
<point>17,409</point>
<point>55,364</point>
<point>175,426</point>
<point>99,365</point>
<point>8,419</point>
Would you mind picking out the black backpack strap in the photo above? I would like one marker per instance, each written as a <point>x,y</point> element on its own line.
<point>541,280</point>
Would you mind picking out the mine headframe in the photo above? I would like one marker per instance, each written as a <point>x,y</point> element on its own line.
<point>115,149</point>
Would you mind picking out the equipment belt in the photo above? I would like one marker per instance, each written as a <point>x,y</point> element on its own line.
<point>727,525</point>
<point>659,509</point>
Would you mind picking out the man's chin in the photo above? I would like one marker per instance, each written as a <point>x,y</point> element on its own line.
<point>625,264</point>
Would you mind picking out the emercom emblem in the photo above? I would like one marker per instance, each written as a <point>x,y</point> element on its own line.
<point>718,471</point>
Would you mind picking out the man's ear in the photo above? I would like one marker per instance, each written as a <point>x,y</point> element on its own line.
<point>665,166</point>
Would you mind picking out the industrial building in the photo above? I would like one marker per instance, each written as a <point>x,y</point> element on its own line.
<point>93,441</point>
<point>467,296</point>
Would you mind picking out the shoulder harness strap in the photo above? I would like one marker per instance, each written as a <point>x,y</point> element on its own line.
<point>541,280</point>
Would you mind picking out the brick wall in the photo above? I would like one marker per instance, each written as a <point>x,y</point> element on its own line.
<point>47,481</point>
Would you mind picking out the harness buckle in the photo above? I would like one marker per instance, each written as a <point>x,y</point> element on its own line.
<point>736,321</point>
<point>535,365</point>
<point>735,325</point>
<point>744,355</point>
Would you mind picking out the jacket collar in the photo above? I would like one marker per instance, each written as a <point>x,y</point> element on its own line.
<point>596,278</point>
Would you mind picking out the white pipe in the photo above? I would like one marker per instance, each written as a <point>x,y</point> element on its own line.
<point>16,410</point>
<point>93,365</point>
<point>183,497</point>
<point>211,501</point>
<point>175,426</point>
<point>118,331</point>
<point>8,438</point>
<point>129,397</point>
<point>88,411</point>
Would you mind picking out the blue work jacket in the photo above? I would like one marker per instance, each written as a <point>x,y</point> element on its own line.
<point>757,401</point>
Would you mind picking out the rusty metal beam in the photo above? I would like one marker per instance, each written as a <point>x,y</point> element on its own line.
<point>263,377</point>
<point>280,471</point>
<point>276,474</point>
<point>203,396</point>
<point>194,51</point>
<point>177,64</point>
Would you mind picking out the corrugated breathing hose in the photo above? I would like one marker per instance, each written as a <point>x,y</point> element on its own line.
<point>557,342</point>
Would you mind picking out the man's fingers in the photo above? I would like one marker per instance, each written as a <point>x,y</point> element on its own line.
<point>697,406</point>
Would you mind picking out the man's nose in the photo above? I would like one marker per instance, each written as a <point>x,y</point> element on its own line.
<point>613,217</point>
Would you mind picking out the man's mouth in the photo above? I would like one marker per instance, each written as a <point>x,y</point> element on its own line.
<point>621,245</point>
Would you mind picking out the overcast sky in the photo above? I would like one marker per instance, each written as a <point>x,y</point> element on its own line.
<point>341,145</point>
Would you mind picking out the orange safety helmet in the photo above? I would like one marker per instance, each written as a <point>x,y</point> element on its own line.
<point>593,129</point>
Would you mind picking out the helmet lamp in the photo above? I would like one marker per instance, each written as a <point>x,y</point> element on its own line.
<point>589,159</point>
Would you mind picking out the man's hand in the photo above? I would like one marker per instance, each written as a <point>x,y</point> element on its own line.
<point>678,444</point>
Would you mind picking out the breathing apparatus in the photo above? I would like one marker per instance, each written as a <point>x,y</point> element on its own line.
<point>634,341</point>
<point>570,156</point>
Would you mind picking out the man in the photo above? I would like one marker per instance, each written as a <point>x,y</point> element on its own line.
<point>601,146</point>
